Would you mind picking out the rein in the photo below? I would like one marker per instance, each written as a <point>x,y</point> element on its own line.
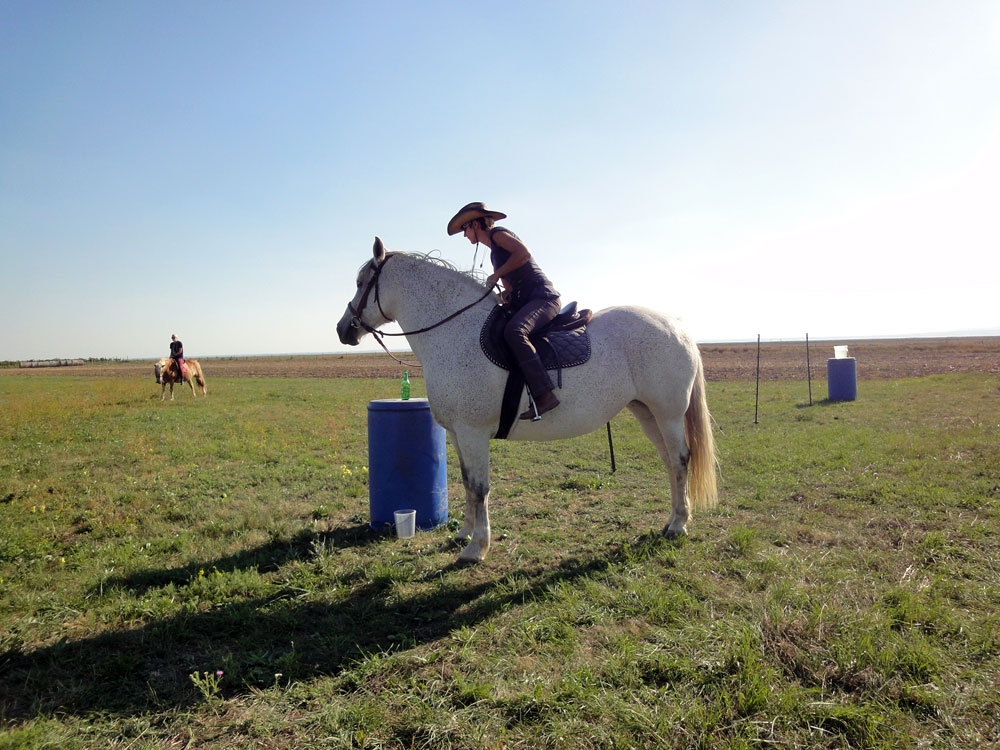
<point>357,322</point>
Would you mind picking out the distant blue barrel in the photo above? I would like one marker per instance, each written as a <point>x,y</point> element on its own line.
<point>407,464</point>
<point>842,379</point>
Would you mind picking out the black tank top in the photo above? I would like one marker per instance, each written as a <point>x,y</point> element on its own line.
<point>528,281</point>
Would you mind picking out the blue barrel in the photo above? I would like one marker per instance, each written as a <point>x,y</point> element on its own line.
<point>842,379</point>
<point>407,463</point>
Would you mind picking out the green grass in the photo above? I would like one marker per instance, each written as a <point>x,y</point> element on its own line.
<point>845,593</point>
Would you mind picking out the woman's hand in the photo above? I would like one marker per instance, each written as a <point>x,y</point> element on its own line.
<point>491,280</point>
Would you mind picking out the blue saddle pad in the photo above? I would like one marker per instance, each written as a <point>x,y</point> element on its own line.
<point>565,342</point>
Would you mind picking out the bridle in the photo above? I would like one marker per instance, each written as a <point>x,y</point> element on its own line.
<point>357,322</point>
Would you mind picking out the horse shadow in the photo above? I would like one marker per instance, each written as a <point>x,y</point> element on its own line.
<point>265,558</point>
<point>258,641</point>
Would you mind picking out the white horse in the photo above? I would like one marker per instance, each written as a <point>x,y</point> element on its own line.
<point>640,359</point>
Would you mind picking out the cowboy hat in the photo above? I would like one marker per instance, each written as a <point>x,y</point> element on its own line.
<point>468,213</point>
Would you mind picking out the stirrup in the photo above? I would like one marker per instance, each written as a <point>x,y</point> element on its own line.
<point>534,407</point>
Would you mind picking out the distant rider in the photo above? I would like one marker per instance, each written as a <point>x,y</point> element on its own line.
<point>177,354</point>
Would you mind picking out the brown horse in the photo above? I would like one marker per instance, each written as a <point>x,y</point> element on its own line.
<point>166,373</point>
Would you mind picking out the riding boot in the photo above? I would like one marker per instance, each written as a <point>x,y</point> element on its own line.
<point>540,386</point>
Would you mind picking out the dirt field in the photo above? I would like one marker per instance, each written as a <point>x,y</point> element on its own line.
<point>878,359</point>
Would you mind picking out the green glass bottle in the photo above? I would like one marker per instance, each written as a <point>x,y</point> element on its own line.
<point>404,391</point>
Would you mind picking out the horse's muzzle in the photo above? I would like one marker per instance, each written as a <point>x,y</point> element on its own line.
<point>349,330</point>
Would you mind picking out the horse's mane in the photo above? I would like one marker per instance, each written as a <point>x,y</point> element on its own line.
<point>473,278</point>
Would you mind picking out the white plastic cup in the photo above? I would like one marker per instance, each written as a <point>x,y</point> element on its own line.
<point>406,523</point>
<point>840,352</point>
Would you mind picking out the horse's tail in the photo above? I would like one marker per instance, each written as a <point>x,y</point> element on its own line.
<point>200,379</point>
<point>701,446</point>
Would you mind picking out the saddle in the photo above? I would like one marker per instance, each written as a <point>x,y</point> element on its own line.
<point>564,342</point>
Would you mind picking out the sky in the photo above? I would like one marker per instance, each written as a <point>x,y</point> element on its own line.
<point>219,170</point>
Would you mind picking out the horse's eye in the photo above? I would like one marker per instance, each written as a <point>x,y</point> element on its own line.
<point>359,283</point>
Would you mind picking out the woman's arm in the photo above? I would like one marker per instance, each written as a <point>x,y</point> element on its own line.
<point>519,255</point>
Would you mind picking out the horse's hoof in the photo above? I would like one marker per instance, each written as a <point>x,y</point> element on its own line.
<point>471,554</point>
<point>670,533</point>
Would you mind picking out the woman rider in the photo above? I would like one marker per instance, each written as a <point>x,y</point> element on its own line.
<point>526,291</point>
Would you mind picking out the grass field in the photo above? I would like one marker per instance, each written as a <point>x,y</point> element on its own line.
<point>200,574</point>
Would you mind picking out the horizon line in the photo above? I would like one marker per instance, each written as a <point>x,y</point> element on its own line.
<point>982,333</point>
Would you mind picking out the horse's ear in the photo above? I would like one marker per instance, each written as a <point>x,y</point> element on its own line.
<point>378,251</point>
